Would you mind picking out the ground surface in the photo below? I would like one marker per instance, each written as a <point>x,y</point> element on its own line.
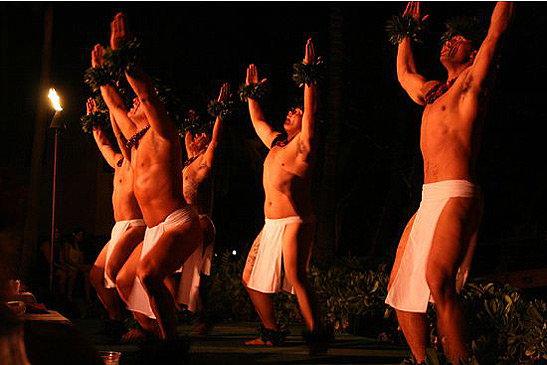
<point>224,345</point>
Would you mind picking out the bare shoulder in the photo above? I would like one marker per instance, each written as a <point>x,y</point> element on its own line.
<point>292,156</point>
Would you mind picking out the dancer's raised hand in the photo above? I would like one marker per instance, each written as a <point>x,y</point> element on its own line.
<point>413,9</point>
<point>91,107</point>
<point>97,55</point>
<point>252,75</point>
<point>310,52</point>
<point>224,92</point>
<point>118,31</point>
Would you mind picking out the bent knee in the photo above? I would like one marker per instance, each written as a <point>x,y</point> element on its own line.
<point>121,282</point>
<point>149,276</point>
<point>441,284</point>
<point>112,274</point>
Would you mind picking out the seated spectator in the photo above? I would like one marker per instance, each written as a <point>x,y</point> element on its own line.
<point>72,263</point>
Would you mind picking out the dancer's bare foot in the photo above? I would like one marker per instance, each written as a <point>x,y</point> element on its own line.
<point>269,337</point>
<point>258,342</point>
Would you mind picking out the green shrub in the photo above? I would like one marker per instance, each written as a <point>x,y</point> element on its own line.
<point>505,328</point>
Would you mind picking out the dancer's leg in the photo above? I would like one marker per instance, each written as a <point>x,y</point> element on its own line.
<point>456,228</point>
<point>262,302</point>
<point>297,245</point>
<point>107,296</point>
<point>414,325</point>
<point>168,254</point>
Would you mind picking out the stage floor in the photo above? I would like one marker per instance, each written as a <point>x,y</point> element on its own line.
<point>224,345</point>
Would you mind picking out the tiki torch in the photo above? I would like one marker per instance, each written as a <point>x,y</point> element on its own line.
<point>56,125</point>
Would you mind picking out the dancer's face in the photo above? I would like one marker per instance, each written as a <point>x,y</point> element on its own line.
<point>457,50</point>
<point>293,122</point>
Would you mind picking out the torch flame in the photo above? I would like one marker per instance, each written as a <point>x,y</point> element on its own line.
<point>55,100</point>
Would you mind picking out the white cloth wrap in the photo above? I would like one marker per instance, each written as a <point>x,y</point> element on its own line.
<point>208,253</point>
<point>409,291</point>
<point>117,232</point>
<point>266,273</point>
<point>138,298</point>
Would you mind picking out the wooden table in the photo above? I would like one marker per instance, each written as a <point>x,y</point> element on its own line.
<point>51,316</point>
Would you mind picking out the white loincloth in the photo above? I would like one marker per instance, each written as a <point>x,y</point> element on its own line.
<point>117,232</point>
<point>267,269</point>
<point>208,253</point>
<point>138,298</point>
<point>409,291</point>
<point>199,262</point>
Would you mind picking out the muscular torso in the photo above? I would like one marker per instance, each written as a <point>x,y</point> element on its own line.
<point>123,198</point>
<point>450,132</point>
<point>157,164</point>
<point>198,185</point>
<point>287,183</point>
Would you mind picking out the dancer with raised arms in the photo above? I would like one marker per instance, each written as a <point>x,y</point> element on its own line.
<point>436,248</point>
<point>128,231</point>
<point>287,236</point>
<point>173,232</point>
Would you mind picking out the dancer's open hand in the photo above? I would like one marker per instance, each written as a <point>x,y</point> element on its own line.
<point>224,92</point>
<point>118,31</point>
<point>97,55</point>
<point>413,9</point>
<point>252,75</point>
<point>310,52</point>
<point>90,105</point>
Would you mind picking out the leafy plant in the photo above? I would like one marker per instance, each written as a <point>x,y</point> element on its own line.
<point>505,328</point>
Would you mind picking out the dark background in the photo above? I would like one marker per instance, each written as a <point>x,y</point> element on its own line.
<point>369,174</point>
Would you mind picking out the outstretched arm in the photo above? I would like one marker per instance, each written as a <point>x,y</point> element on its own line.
<point>482,66</point>
<point>408,76</point>
<point>120,138</point>
<point>188,140</point>
<point>305,138</point>
<point>217,129</point>
<point>141,83</point>
<point>112,99</point>
<point>263,129</point>
<point>102,141</point>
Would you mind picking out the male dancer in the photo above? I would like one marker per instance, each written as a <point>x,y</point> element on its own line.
<point>173,232</point>
<point>436,248</point>
<point>198,192</point>
<point>289,225</point>
<point>128,231</point>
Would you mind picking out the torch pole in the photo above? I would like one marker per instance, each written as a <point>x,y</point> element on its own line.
<point>52,259</point>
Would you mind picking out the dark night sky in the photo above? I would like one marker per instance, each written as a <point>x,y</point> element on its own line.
<point>197,47</point>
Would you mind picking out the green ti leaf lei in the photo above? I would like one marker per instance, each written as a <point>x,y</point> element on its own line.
<point>401,27</point>
<point>97,119</point>
<point>173,105</point>
<point>123,59</point>
<point>223,109</point>
<point>115,63</point>
<point>255,90</point>
<point>194,124</point>
<point>308,73</point>
<point>95,77</point>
